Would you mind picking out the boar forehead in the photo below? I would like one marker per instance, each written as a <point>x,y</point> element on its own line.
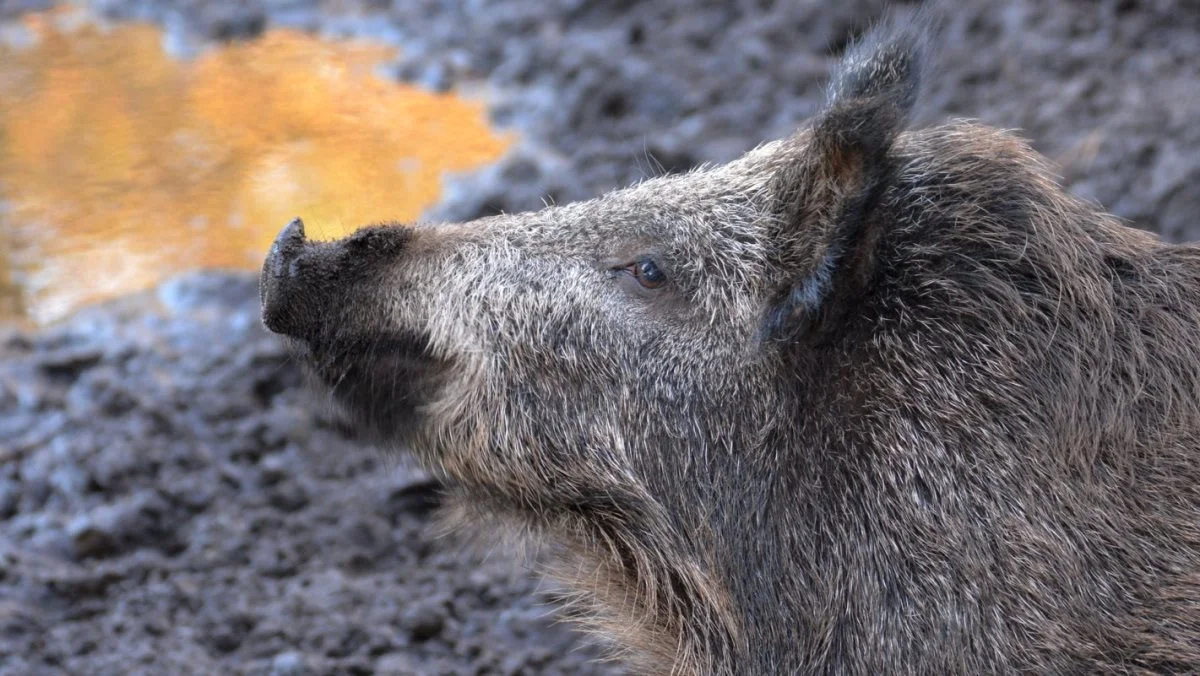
<point>706,229</point>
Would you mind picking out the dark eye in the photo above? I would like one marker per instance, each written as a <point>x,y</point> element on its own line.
<point>647,273</point>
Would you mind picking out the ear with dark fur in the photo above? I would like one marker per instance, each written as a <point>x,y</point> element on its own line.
<point>827,191</point>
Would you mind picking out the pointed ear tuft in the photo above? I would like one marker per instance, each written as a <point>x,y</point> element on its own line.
<point>884,64</point>
<point>828,189</point>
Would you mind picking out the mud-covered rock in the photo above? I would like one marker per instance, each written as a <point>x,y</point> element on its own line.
<point>137,519</point>
<point>425,620</point>
<point>290,663</point>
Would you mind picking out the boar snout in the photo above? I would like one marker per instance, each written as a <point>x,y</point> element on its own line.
<point>305,283</point>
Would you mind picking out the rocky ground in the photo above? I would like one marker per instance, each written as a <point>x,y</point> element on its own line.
<point>171,502</point>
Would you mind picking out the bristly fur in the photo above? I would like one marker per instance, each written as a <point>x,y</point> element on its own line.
<point>902,406</point>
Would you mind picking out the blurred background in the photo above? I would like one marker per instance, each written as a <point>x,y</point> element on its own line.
<point>171,500</point>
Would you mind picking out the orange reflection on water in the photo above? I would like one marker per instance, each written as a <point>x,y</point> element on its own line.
<point>120,166</point>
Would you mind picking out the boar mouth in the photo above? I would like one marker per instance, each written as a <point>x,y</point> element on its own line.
<point>381,382</point>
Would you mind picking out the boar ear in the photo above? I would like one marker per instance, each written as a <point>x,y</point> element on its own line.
<point>832,176</point>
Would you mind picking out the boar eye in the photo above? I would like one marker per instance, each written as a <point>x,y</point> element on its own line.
<point>647,273</point>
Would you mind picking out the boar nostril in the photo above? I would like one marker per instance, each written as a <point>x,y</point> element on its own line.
<point>275,261</point>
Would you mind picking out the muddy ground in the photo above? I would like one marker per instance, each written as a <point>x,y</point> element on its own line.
<point>173,502</point>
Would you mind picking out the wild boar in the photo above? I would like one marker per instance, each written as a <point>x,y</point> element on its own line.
<point>867,399</point>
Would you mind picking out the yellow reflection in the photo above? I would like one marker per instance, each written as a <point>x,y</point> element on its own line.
<point>120,166</point>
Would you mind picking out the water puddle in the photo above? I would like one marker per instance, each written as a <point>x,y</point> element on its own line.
<point>120,166</point>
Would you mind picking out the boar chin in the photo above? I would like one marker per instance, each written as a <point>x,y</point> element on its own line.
<point>382,383</point>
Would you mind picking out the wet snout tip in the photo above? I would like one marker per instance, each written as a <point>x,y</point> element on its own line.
<point>275,282</point>
<point>289,241</point>
<point>293,230</point>
<point>291,235</point>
